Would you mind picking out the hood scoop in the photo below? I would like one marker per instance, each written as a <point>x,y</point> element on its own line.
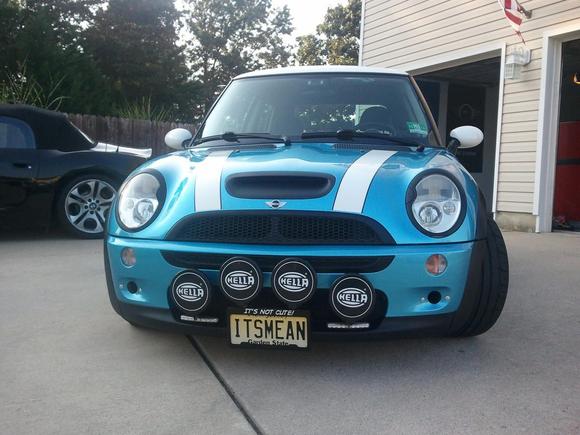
<point>279,185</point>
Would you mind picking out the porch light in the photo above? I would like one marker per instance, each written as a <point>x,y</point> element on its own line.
<point>517,58</point>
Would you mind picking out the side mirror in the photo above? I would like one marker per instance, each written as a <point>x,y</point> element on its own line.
<point>177,137</point>
<point>464,137</point>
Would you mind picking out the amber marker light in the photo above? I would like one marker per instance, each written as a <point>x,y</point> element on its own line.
<point>436,264</point>
<point>128,257</point>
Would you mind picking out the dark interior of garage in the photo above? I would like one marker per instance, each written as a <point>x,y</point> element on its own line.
<point>567,183</point>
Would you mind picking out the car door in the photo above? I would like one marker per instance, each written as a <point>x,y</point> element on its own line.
<point>18,163</point>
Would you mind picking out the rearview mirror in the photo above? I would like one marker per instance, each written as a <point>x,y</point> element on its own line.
<point>464,137</point>
<point>177,137</point>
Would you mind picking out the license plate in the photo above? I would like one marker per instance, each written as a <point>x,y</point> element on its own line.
<point>266,327</point>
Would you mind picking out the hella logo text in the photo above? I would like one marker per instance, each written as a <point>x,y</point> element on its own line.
<point>240,280</point>
<point>352,297</point>
<point>293,281</point>
<point>190,292</point>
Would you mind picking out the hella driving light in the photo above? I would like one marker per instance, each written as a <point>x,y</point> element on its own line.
<point>140,200</point>
<point>435,204</point>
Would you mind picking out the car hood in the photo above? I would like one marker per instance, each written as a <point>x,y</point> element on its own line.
<point>110,148</point>
<point>321,177</point>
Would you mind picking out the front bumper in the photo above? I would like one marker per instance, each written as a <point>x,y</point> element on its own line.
<point>402,284</point>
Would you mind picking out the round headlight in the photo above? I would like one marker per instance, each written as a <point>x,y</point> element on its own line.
<point>140,200</point>
<point>437,204</point>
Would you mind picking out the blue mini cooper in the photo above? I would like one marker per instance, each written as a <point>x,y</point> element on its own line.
<point>311,203</point>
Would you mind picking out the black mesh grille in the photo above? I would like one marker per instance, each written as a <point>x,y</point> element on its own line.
<point>280,228</point>
<point>266,263</point>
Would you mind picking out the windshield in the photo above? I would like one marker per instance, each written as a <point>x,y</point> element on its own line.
<point>291,105</point>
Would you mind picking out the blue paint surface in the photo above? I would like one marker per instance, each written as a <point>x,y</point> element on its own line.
<point>405,281</point>
<point>385,201</point>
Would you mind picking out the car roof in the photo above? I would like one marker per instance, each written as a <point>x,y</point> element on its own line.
<point>52,130</point>
<point>322,69</point>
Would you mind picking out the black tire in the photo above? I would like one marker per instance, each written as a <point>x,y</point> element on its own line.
<point>495,284</point>
<point>93,225</point>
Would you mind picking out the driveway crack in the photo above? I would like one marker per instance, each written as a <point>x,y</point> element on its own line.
<point>229,390</point>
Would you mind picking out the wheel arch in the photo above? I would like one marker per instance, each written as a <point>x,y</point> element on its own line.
<point>482,216</point>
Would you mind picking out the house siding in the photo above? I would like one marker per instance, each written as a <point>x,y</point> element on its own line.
<point>400,33</point>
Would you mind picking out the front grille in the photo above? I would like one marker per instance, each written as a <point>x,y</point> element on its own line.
<point>193,260</point>
<point>279,227</point>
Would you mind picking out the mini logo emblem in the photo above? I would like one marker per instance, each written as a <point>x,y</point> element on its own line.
<point>352,297</point>
<point>240,280</point>
<point>293,281</point>
<point>190,292</point>
<point>275,203</point>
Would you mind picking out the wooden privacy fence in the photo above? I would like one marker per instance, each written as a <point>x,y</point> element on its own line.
<point>127,132</point>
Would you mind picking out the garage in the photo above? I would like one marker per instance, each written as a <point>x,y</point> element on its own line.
<point>468,95</point>
<point>567,177</point>
<point>516,80</point>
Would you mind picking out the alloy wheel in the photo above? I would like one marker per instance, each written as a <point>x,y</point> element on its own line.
<point>88,203</point>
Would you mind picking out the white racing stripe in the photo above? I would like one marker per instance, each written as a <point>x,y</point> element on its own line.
<point>208,181</point>
<point>357,180</point>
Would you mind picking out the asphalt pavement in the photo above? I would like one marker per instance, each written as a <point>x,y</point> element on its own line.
<point>69,364</point>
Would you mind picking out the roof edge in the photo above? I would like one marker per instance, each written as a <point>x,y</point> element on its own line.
<point>321,70</point>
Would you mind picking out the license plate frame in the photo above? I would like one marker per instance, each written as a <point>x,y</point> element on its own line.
<point>274,342</point>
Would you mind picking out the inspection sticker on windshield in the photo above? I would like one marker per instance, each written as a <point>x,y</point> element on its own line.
<point>416,128</point>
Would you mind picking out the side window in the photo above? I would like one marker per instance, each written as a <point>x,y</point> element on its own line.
<point>15,133</point>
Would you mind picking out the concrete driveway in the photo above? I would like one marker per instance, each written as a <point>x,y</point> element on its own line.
<point>68,364</point>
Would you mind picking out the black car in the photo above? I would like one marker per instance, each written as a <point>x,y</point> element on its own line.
<point>50,170</point>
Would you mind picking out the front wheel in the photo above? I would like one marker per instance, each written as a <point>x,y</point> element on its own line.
<point>84,203</point>
<point>495,281</point>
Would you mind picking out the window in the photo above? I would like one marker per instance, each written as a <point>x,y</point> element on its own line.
<point>15,133</point>
<point>289,105</point>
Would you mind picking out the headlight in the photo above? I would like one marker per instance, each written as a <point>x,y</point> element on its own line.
<point>140,200</point>
<point>436,205</point>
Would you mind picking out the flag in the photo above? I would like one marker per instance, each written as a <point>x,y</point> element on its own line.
<point>514,13</point>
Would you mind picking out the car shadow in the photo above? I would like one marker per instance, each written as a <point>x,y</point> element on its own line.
<point>15,235</point>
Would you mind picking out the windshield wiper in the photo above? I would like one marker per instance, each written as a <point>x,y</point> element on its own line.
<point>230,136</point>
<point>351,134</point>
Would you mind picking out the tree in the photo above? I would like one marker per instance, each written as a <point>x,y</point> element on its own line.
<point>42,55</point>
<point>135,44</point>
<point>68,18</point>
<point>336,41</point>
<point>124,56</point>
<point>310,50</point>
<point>9,26</point>
<point>230,37</point>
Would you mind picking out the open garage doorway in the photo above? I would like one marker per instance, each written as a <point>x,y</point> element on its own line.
<point>468,95</point>
<point>566,213</point>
